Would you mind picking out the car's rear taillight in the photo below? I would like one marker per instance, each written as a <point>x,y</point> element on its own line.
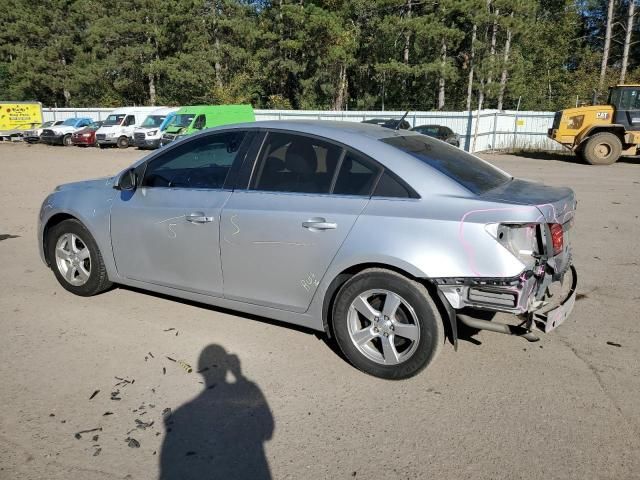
<point>557,237</point>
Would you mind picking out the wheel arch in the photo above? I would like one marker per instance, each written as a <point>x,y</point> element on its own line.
<point>341,278</point>
<point>616,129</point>
<point>54,220</point>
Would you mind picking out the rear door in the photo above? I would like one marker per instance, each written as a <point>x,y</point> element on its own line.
<point>279,236</point>
<point>167,231</point>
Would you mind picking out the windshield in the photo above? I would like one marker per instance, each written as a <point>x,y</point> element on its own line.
<point>114,119</point>
<point>182,120</point>
<point>70,121</point>
<point>153,121</point>
<point>469,171</point>
<point>46,124</point>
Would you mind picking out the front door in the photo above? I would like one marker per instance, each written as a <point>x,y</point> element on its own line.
<point>167,231</point>
<point>279,237</point>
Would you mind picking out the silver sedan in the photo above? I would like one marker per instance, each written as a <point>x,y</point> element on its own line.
<point>385,240</point>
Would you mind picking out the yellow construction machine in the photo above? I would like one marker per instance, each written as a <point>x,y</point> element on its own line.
<point>600,134</point>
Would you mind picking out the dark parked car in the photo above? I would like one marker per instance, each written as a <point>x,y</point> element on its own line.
<point>388,123</point>
<point>87,136</point>
<point>440,132</point>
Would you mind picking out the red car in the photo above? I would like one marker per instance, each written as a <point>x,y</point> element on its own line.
<point>87,136</point>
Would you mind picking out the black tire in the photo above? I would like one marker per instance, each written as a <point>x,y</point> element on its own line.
<point>98,280</point>
<point>427,317</point>
<point>123,142</point>
<point>602,149</point>
<point>66,141</point>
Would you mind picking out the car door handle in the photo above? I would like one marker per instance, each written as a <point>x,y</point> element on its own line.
<point>198,217</point>
<point>319,224</point>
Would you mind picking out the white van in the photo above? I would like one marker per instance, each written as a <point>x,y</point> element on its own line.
<point>149,134</point>
<point>118,128</point>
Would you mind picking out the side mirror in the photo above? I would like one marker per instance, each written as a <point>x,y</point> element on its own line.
<point>127,181</point>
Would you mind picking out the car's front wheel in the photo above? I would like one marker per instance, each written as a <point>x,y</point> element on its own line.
<point>123,142</point>
<point>386,324</point>
<point>75,259</point>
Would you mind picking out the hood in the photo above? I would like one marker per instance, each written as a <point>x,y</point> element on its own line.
<point>557,204</point>
<point>84,130</point>
<point>174,129</point>
<point>97,183</point>
<point>63,128</point>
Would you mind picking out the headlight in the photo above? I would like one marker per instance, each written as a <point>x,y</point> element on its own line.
<point>151,133</point>
<point>520,240</point>
<point>575,122</point>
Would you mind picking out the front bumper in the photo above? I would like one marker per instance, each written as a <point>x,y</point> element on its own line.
<point>146,143</point>
<point>544,299</point>
<point>52,139</point>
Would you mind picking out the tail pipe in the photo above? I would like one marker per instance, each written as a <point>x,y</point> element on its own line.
<point>497,327</point>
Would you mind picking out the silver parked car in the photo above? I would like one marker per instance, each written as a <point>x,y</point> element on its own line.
<point>383,239</point>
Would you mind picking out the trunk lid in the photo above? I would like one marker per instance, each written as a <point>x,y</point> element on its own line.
<point>556,205</point>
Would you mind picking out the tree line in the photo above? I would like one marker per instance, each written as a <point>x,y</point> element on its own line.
<point>318,54</point>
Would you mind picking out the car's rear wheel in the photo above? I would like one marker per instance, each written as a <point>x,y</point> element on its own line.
<point>75,259</point>
<point>123,142</point>
<point>386,324</point>
<point>602,149</point>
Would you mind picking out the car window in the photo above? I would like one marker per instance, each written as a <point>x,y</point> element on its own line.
<point>130,120</point>
<point>114,120</point>
<point>356,176</point>
<point>199,123</point>
<point>391,187</point>
<point>203,162</point>
<point>295,163</point>
<point>469,171</point>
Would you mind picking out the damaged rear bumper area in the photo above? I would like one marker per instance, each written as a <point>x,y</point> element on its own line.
<point>541,300</point>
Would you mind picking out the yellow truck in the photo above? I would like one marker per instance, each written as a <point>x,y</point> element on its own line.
<point>15,117</point>
<point>600,134</point>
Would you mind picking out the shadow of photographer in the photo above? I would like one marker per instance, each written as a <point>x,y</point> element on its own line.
<point>220,433</point>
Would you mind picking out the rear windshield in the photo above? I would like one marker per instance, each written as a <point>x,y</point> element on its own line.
<point>70,122</point>
<point>472,173</point>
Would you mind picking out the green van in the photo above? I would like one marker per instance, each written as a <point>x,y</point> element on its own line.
<point>194,118</point>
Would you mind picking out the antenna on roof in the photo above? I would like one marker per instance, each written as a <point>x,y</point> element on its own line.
<point>397,127</point>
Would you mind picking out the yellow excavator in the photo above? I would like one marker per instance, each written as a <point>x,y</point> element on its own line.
<point>601,134</point>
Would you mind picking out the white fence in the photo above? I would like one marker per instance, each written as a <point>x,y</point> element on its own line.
<point>496,130</point>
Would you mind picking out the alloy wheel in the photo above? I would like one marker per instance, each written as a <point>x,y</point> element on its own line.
<point>73,259</point>
<point>383,327</point>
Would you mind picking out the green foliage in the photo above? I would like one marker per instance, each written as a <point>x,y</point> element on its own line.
<point>312,54</point>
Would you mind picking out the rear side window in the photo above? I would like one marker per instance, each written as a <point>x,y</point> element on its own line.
<point>390,186</point>
<point>356,176</point>
<point>204,162</point>
<point>295,163</point>
<point>471,172</point>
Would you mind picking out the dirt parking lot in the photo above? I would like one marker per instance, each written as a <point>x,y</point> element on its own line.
<point>278,399</point>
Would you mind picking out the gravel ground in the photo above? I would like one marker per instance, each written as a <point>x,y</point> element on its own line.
<point>279,399</point>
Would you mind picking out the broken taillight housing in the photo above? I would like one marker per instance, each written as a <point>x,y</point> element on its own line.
<point>557,237</point>
<point>519,239</point>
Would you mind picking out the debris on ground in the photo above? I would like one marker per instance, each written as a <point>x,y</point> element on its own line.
<point>143,425</point>
<point>97,452</point>
<point>105,414</point>
<point>94,394</point>
<point>78,435</point>
<point>614,344</point>
<point>185,365</point>
<point>169,329</point>
<point>114,395</point>
<point>132,442</point>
